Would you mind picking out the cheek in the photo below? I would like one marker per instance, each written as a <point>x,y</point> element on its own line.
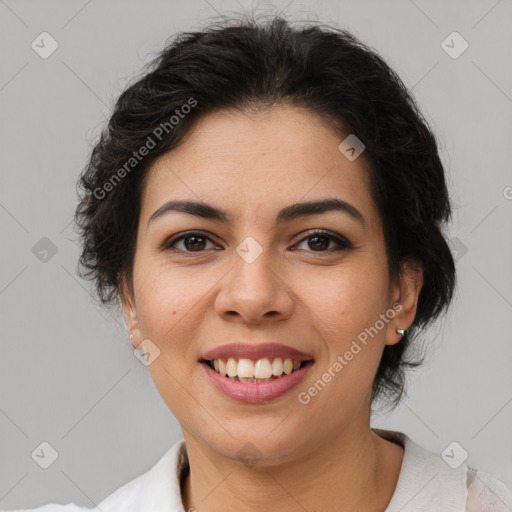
<point>346,300</point>
<point>346,305</point>
<point>169,311</point>
<point>165,298</point>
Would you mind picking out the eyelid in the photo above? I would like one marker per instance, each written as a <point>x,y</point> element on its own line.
<point>341,242</point>
<point>168,242</point>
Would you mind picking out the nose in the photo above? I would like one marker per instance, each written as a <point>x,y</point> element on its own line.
<point>254,291</point>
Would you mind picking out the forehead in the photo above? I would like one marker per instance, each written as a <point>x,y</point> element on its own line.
<point>257,163</point>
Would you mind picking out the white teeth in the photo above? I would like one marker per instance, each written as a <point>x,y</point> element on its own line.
<point>245,368</point>
<point>262,370</point>
<point>232,367</point>
<point>222,366</point>
<point>277,366</point>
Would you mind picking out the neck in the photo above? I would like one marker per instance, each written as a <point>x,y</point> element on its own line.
<point>356,470</point>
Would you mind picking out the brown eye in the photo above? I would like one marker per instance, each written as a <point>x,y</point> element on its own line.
<point>196,242</point>
<point>192,242</point>
<point>319,241</point>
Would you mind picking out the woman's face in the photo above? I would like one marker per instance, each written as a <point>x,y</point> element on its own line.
<point>260,277</point>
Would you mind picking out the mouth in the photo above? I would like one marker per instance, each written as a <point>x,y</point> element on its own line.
<point>255,373</point>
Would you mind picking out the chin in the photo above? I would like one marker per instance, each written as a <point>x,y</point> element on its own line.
<point>259,444</point>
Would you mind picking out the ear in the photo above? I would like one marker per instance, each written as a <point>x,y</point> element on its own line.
<point>406,294</point>
<point>129,310</point>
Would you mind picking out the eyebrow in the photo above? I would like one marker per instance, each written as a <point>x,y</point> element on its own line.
<point>294,211</point>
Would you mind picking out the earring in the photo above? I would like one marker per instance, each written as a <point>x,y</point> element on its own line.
<point>131,336</point>
<point>400,331</point>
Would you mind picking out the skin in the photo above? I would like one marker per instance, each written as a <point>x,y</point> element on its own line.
<point>188,300</point>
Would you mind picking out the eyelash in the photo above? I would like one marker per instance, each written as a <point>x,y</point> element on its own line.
<point>342,243</point>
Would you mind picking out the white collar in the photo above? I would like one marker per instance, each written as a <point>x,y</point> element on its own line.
<point>426,483</point>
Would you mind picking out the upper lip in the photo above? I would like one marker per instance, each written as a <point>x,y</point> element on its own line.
<point>259,351</point>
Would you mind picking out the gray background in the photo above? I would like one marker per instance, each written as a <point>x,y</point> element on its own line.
<point>68,375</point>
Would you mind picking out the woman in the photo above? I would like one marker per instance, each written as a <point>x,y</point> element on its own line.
<point>267,203</point>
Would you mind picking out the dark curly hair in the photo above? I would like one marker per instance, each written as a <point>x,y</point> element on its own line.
<point>246,64</point>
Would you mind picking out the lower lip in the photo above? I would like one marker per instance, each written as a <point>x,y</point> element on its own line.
<point>256,392</point>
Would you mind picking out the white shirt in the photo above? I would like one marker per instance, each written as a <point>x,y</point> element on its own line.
<point>426,483</point>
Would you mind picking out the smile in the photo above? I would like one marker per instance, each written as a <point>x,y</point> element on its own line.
<point>260,370</point>
<point>252,389</point>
